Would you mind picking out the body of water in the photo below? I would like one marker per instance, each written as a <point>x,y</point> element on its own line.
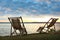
<point>30,27</point>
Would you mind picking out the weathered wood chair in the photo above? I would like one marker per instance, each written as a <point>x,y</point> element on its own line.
<point>48,25</point>
<point>17,24</point>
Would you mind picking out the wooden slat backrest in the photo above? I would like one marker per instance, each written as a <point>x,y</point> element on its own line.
<point>15,22</point>
<point>52,22</point>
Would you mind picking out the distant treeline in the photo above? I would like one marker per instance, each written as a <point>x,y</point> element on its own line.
<point>24,22</point>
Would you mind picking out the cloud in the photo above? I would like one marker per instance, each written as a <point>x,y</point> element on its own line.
<point>1,13</point>
<point>24,12</point>
<point>15,0</point>
<point>5,17</point>
<point>28,8</point>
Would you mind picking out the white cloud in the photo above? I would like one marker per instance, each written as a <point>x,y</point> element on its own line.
<point>25,14</point>
<point>1,12</point>
<point>15,0</point>
<point>5,16</point>
<point>32,18</point>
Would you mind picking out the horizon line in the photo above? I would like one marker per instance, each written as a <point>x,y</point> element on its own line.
<point>36,22</point>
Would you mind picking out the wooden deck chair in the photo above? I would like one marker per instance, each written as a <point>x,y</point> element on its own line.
<point>17,24</point>
<point>49,24</point>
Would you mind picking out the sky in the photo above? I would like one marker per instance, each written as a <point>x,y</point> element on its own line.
<point>30,10</point>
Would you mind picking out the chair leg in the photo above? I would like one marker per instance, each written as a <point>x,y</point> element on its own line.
<point>47,30</point>
<point>40,31</point>
<point>54,28</point>
<point>11,31</point>
<point>21,32</point>
<point>15,31</point>
<point>25,32</point>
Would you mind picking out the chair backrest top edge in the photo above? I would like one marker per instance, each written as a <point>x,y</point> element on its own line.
<point>13,17</point>
<point>54,18</point>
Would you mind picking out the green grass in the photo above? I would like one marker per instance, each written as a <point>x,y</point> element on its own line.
<point>50,36</point>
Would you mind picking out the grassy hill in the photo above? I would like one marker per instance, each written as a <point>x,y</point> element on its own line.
<point>55,36</point>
